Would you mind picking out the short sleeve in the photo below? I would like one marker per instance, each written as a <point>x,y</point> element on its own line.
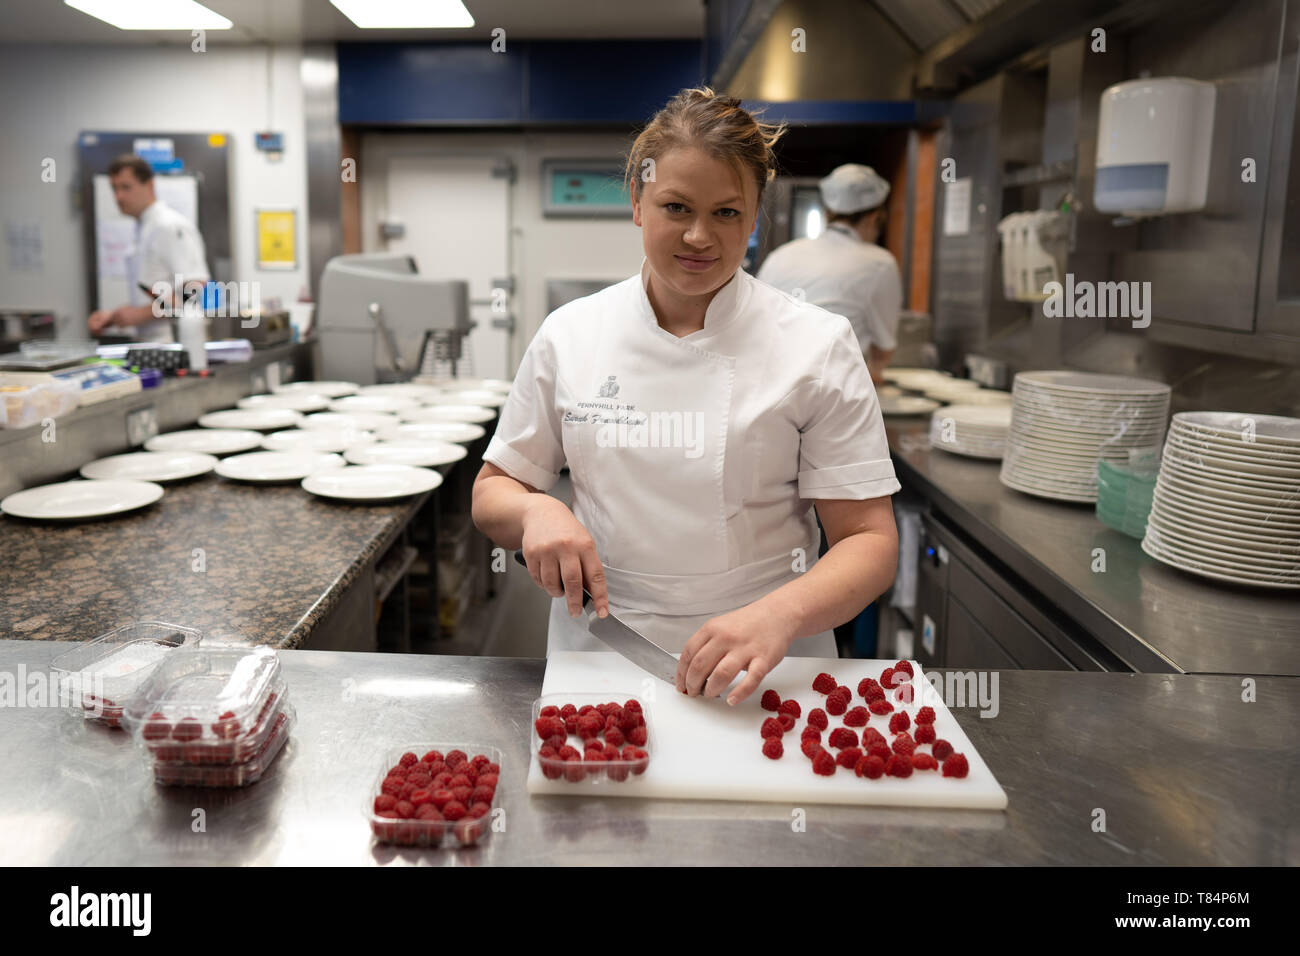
<point>527,445</point>
<point>884,302</point>
<point>843,451</point>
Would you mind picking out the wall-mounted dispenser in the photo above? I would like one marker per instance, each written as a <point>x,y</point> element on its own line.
<point>1153,146</point>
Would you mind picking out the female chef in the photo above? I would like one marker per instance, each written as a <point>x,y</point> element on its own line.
<point>702,414</point>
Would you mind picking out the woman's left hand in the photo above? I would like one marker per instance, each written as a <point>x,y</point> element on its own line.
<point>750,639</point>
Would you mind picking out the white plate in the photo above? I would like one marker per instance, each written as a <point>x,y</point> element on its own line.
<point>316,439</point>
<point>1239,451</point>
<point>1230,512</point>
<point>339,421</point>
<point>991,417</point>
<point>1091,382</point>
<point>328,389</point>
<point>906,405</point>
<point>985,396</point>
<point>1168,540</point>
<point>1243,536</point>
<point>416,393</point>
<point>1277,429</point>
<point>277,466</point>
<point>69,500</point>
<point>1234,496</point>
<point>458,432</point>
<point>262,420</point>
<point>1214,477</point>
<point>463,384</point>
<point>485,397</point>
<point>211,441</point>
<point>1213,570</point>
<point>448,413</point>
<point>372,482</point>
<point>967,451</point>
<point>150,466</point>
<point>914,378</point>
<point>1043,491</point>
<point>1232,467</point>
<point>390,404</point>
<point>295,401</point>
<point>419,454</point>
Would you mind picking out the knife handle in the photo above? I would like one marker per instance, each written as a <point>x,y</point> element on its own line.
<point>586,595</point>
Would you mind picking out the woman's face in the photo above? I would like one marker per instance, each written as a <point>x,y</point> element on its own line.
<point>696,216</point>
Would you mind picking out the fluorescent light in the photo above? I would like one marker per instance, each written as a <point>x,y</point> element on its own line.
<point>405,14</point>
<point>153,14</point>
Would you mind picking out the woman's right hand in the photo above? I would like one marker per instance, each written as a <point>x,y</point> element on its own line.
<point>561,555</point>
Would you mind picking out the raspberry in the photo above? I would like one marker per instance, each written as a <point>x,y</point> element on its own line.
<point>190,729</point>
<point>824,764</point>
<point>811,733</point>
<point>925,733</point>
<point>558,741</point>
<point>454,759</point>
<point>454,810</point>
<point>595,760</point>
<point>823,683</point>
<point>899,765</point>
<point>550,711</point>
<point>385,801</point>
<point>428,812</point>
<point>887,677</point>
<point>548,727</point>
<point>614,736</point>
<point>460,780</point>
<point>844,692</point>
<point>790,707</point>
<point>593,744</point>
<point>817,718</point>
<point>842,737</point>
<point>585,709</point>
<point>865,686</point>
<point>633,705</point>
<point>771,700</point>
<point>904,694</point>
<point>630,719</point>
<point>391,787</point>
<point>420,797</point>
<point>574,771</point>
<point>404,809</point>
<point>874,692</point>
<point>871,767</point>
<point>925,715</point>
<point>637,736</point>
<point>941,750</point>
<point>567,711</point>
<point>772,748</point>
<point>849,757</point>
<point>590,726</point>
<point>462,794</point>
<point>617,768</point>
<point>480,809</point>
<point>810,747</point>
<point>906,668</point>
<point>434,767</point>
<point>156,728</point>
<point>612,722</point>
<point>421,781</point>
<point>226,726</point>
<point>566,752</point>
<point>857,717</point>
<point>638,757</point>
<point>836,705</point>
<point>571,724</point>
<point>924,762</point>
<point>552,769</point>
<point>771,728</point>
<point>955,765</point>
<point>878,749</point>
<point>406,791</point>
<point>904,744</point>
<point>786,721</point>
<point>871,735</point>
<point>899,722</point>
<point>409,758</point>
<point>442,781</point>
<point>880,707</point>
<point>547,752</point>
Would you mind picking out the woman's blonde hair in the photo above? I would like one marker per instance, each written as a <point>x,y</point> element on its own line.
<point>717,125</point>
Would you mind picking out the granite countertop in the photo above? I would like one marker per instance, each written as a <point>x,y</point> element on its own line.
<point>275,561</point>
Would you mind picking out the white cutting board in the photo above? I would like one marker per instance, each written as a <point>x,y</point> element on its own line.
<point>701,749</point>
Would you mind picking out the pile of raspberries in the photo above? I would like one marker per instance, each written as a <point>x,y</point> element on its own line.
<point>424,798</point>
<point>624,730</point>
<point>869,754</point>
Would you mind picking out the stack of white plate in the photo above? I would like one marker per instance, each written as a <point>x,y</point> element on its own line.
<point>949,390</point>
<point>906,405</point>
<point>328,389</point>
<point>978,431</point>
<point>297,401</point>
<point>1063,422</point>
<point>915,379</point>
<point>1227,499</point>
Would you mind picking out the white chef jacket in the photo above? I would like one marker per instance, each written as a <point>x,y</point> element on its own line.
<point>166,245</point>
<point>845,275</point>
<point>694,460</point>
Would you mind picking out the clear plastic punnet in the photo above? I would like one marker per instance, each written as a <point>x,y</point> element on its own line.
<point>435,813</point>
<point>232,775</point>
<point>206,706</point>
<point>588,754</point>
<point>97,678</point>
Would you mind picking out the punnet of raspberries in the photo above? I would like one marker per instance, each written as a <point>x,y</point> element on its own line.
<point>414,809</point>
<point>612,736</point>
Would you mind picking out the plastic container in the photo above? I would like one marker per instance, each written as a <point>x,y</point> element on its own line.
<point>160,740</point>
<point>98,678</point>
<point>206,702</point>
<point>1125,492</point>
<point>599,772</point>
<point>233,775</point>
<point>31,397</point>
<point>467,831</point>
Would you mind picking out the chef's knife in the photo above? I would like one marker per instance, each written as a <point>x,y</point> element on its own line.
<point>641,651</point>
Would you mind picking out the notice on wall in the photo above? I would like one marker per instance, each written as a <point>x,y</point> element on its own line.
<point>956,208</point>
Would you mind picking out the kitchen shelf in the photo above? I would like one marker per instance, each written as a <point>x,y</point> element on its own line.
<point>1034,175</point>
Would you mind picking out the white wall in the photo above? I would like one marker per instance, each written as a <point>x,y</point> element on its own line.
<point>53,93</point>
<point>541,249</point>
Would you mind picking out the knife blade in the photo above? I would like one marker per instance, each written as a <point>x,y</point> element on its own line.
<point>640,650</point>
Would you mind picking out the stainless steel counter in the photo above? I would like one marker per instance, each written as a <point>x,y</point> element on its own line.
<point>1185,772</point>
<point>1154,617</point>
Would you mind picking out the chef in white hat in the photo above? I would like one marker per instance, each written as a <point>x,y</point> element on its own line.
<point>843,270</point>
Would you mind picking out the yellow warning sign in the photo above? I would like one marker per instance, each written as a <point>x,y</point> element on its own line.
<point>276,239</point>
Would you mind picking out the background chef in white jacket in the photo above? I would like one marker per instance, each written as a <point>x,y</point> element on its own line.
<point>702,415</point>
<point>843,270</point>
<point>166,245</point>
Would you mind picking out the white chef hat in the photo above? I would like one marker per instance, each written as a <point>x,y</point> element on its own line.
<point>852,188</point>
